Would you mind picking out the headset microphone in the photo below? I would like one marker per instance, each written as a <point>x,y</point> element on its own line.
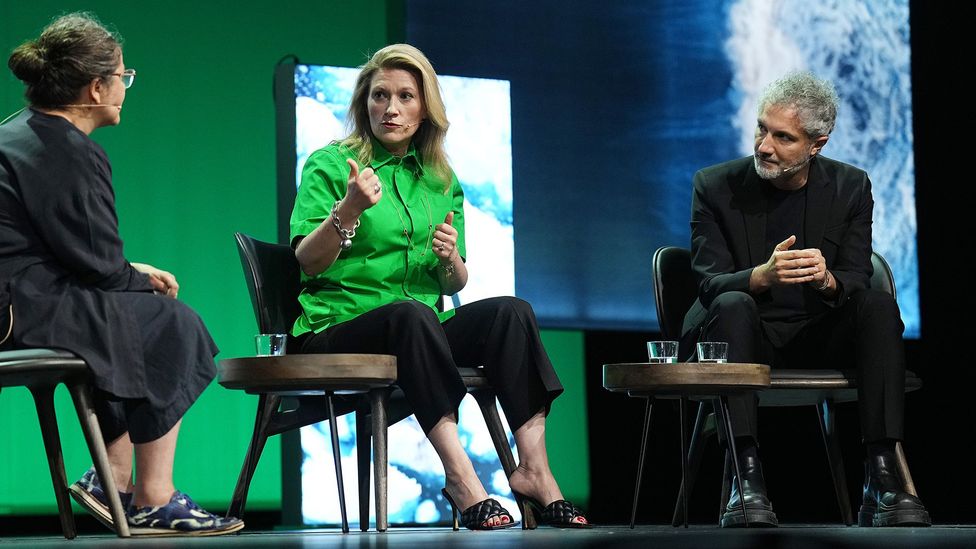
<point>797,167</point>
<point>119,107</point>
<point>410,125</point>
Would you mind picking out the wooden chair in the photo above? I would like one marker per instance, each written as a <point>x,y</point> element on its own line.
<point>674,293</point>
<point>40,371</point>
<point>273,279</point>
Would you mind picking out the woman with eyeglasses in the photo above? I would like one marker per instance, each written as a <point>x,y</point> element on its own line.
<point>65,283</point>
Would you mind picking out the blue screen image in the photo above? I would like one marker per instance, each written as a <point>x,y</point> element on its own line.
<point>616,105</point>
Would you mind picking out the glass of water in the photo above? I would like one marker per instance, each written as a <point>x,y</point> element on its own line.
<point>662,352</point>
<point>270,344</point>
<point>713,351</point>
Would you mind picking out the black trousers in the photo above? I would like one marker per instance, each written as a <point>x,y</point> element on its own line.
<point>500,334</point>
<point>862,334</point>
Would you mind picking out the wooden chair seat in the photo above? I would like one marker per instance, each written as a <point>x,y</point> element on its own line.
<point>31,366</point>
<point>811,387</point>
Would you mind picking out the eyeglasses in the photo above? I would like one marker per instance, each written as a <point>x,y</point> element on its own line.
<point>128,76</point>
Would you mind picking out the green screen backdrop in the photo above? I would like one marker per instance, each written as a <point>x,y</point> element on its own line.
<point>193,162</point>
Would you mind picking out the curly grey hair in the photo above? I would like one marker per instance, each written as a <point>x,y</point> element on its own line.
<point>814,99</point>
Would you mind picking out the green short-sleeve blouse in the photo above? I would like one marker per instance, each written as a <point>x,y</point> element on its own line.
<point>391,257</point>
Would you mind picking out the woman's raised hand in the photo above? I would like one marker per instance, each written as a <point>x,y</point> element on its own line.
<point>363,190</point>
<point>445,238</point>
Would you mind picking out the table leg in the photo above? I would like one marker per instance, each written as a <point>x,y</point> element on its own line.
<point>337,456</point>
<point>682,404</point>
<point>694,461</point>
<point>364,438</point>
<point>726,478</point>
<point>377,401</point>
<point>640,460</point>
<point>726,418</point>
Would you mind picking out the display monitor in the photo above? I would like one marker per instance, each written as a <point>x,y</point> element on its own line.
<point>616,105</point>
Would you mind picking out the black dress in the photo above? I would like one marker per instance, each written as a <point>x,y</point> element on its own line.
<point>63,273</point>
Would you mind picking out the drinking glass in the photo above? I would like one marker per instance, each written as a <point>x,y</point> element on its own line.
<point>662,352</point>
<point>270,344</point>
<point>713,351</point>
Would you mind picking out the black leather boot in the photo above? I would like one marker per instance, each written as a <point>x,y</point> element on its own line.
<point>758,508</point>
<point>886,503</point>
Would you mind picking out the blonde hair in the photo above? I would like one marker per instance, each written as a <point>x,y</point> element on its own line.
<point>429,138</point>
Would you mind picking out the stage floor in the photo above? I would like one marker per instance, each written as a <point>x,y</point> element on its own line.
<point>604,537</point>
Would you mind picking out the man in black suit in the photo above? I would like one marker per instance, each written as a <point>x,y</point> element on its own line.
<point>781,250</point>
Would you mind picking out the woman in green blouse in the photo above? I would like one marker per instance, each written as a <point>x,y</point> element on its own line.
<point>378,228</point>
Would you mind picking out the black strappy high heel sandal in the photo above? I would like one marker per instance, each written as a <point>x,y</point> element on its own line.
<point>477,516</point>
<point>560,513</point>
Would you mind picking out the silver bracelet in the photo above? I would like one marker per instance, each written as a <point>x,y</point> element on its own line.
<point>448,268</point>
<point>345,235</point>
<point>826,283</point>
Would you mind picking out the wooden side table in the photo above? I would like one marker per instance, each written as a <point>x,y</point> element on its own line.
<point>273,377</point>
<point>685,381</point>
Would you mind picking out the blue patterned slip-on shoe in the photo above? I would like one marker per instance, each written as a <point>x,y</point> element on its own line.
<point>88,492</point>
<point>179,517</point>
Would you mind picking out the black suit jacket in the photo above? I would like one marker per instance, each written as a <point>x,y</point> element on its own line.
<point>728,233</point>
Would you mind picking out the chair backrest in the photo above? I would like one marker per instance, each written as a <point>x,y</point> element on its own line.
<point>273,279</point>
<point>881,278</point>
<point>675,289</point>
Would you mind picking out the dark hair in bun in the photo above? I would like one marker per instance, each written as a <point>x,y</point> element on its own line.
<point>70,52</point>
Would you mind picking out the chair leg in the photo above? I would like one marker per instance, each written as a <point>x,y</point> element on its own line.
<point>363,441</point>
<point>489,409</point>
<point>724,429</point>
<point>378,399</point>
<point>694,462</point>
<point>723,501</point>
<point>648,408</point>
<point>727,420</point>
<point>906,475</point>
<point>81,396</point>
<point>337,458</point>
<point>486,401</point>
<point>835,459</point>
<point>267,408</point>
<point>44,402</point>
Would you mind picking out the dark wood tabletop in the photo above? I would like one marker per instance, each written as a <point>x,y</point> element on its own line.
<point>688,379</point>
<point>308,373</point>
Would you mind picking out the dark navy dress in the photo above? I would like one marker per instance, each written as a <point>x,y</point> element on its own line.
<point>63,275</point>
